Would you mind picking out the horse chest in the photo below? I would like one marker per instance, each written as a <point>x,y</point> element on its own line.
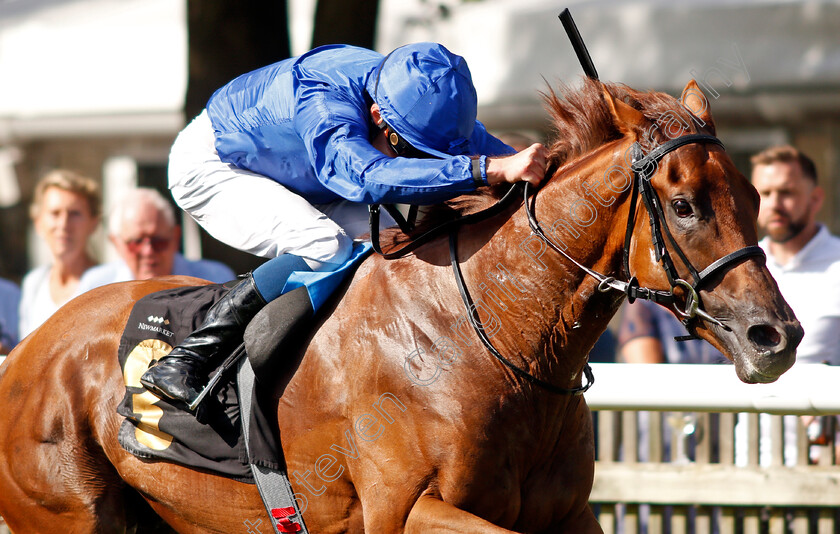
<point>520,469</point>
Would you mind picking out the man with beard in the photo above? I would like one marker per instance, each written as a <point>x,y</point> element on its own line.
<point>804,258</point>
<point>802,255</point>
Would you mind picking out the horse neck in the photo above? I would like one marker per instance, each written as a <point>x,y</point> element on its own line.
<point>549,312</point>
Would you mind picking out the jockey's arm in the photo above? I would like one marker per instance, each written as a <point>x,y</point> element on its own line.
<point>339,145</point>
<point>526,166</point>
<point>338,140</point>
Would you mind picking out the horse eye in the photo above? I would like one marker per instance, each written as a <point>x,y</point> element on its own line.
<point>682,208</point>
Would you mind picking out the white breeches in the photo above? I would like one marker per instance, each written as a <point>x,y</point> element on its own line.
<point>255,214</point>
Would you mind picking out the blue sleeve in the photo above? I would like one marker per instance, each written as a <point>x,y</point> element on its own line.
<point>336,131</point>
<point>638,320</point>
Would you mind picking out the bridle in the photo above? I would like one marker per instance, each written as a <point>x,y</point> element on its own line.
<point>643,168</point>
<point>658,222</point>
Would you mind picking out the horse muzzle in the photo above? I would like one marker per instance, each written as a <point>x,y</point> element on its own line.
<point>767,349</point>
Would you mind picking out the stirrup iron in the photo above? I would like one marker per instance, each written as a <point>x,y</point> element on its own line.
<point>229,362</point>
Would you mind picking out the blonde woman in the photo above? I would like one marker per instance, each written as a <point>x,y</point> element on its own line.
<point>66,212</point>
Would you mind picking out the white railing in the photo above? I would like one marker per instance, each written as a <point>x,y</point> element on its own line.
<point>660,469</point>
<point>803,390</point>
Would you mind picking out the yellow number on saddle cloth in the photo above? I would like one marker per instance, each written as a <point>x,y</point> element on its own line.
<point>138,360</point>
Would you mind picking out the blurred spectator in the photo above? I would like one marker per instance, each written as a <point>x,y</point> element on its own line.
<point>142,228</point>
<point>9,302</point>
<point>647,333</point>
<point>604,349</point>
<point>802,255</point>
<point>804,258</point>
<point>66,212</point>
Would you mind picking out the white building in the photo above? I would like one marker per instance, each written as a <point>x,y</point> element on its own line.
<point>99,85</point>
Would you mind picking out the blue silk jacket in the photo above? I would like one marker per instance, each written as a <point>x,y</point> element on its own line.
<point>305,123</point>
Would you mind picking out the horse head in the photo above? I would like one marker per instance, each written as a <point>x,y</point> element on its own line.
<point>687,217</point>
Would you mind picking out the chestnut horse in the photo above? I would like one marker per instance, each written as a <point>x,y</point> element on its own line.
<point>398,419</point>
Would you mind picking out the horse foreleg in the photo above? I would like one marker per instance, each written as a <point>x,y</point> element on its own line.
<point>430,514</point>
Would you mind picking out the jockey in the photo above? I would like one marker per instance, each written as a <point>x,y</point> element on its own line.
<point>283,160</point>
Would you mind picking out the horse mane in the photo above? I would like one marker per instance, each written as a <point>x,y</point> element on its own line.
<point>582,121</point>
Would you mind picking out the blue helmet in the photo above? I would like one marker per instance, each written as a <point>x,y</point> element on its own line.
<point>426,95</point>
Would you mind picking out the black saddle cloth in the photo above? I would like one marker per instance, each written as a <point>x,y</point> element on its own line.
<point>157,429</point>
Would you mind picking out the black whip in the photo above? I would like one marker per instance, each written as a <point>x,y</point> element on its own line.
<point>578,45</point>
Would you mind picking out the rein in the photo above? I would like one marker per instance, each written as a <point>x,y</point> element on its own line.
<point>407,225</point>
<point>451,227</point>
<point>643,167</point>
<point>482,335</point>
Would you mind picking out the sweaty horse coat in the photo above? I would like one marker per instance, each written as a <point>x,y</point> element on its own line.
<point>397,419</point>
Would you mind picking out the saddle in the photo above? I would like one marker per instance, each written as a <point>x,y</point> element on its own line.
<point>234,433</point>
<point>159,429</point>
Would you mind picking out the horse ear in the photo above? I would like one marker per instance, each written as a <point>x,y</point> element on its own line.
<point>695,102</point>
<point>626,118</point>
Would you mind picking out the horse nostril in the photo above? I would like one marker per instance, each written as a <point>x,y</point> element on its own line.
<point>764,335</point>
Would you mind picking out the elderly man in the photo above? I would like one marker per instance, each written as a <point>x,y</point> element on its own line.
<point>143,230</point>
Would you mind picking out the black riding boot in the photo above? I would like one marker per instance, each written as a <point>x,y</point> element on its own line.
<point>182,374</point>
